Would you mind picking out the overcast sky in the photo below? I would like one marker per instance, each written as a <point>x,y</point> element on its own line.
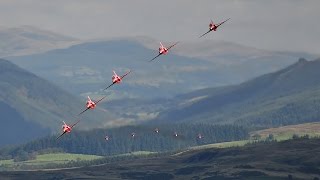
<point>291,25</point>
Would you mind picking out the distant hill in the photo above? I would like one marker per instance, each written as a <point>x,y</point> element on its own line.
<point>32,107</point>
<point>13,127</point>
<point>86,67</point>
<point>25,40</point>
<point>225,53</point>
<point>288,96</point>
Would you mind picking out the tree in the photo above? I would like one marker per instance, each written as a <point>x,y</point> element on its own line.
<point>21,156</point>
<point>270,137</point>
<point>256,137</point>
<point>295,136</point>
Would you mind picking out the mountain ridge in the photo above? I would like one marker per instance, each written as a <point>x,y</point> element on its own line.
<point>25,40</point>
<point>271,97</point>
<point>85,66</point>
<point>28,99</point>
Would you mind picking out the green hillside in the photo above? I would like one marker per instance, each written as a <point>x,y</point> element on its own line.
<point>121,142</point>
<point>288,96</point>
<point>294,159</point>
<point>32,107</point>
<point>287,132</point>
<point>53,159</point>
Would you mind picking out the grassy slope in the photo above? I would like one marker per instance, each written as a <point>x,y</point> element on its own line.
<point>55,158</point>
<point>39,101</point>
<point>136,153</point>
<point>312,129</point>
<point>280,134</point>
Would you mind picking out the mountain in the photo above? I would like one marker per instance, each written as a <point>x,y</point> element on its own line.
<point>13,127</point>
<point>223,52</point>
<point>232,59</point>
<point>25,40</point>
<point>288,96</point>
<point>86,67</point>
<point>33,107</point>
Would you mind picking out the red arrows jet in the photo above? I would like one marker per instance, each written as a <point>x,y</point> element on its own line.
<point>163,50</point>
<point>91,104</point>
<point>199,136</point>
<point>117,79</point>
<point>133,134</point>
<point>175,134</point>
<point>66,128</point>
<point>214,27</point>
<point>156,130</point>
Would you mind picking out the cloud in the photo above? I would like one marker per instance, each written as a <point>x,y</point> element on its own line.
<point>276,25</point>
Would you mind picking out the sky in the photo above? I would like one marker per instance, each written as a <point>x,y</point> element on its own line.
<point>282,25</point>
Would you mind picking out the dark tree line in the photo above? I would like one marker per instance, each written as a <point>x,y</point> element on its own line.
<point>120,139</point>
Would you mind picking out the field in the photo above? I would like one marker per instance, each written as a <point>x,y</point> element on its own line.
<point>55,158</point>
<point>280,134</point>
<point>136,153</point>
<point>222,145</point>
<point>286,132</point>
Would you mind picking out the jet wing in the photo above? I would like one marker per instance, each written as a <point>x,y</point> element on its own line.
<point>100,99</point>
<point>223,22</point>
<point>205,33</point>
<point>173,45</point>
<point>155,57</point>
<point>125,74</point>
<point>83,111</point>
<point>75,123</point>
<point>109,86</point>
<point>61,135</point>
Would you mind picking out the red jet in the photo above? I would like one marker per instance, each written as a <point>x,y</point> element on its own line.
<point>163,50</point>
<point>133,134</point>
<point>175,134</point>
<point>66,128</point>
<point>214,27</point>
<point>156,130</point>
<point>117,79</point>
<point>91,104</point>
<point>200,136</point>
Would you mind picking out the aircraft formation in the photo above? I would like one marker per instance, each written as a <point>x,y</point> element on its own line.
<point>116,79</point>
